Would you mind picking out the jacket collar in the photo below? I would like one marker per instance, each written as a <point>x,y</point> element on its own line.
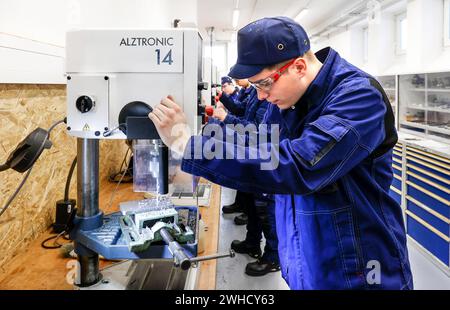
<point>321,84</point>
<point>316,91</point>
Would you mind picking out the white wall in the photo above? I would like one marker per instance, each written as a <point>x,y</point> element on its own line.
<point>425,51</point>
<point>32,33</point>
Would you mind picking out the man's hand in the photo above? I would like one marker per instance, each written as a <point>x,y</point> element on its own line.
<point>220,105</point>
<point>171,124</point>
<point>220,114</point>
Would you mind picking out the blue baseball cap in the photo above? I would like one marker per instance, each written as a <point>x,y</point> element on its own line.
<point>226,79</point>
<point>266,42</point>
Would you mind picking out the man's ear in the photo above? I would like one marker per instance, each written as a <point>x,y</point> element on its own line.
<point>300,66</point>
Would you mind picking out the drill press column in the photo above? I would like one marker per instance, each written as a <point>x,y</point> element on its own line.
<point>87,192</point>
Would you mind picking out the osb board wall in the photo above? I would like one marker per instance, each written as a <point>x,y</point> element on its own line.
<point>23,108</point>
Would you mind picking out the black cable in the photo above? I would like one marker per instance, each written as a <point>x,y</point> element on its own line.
<point>8,203</point>
<point>65,232</point>
<point>4,167</point>
<point>55,245</point>
<point>69,179</point>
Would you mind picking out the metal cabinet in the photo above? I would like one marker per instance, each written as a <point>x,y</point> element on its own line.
<point>396,187</point>
<point>422,186</point>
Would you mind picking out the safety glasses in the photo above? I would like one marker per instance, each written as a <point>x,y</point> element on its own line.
<point>266,84</point>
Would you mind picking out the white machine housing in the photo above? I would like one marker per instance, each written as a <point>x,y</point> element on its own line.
<point>116,67</point>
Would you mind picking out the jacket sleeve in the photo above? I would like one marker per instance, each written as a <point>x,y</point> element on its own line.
<point>233,104</point>
<point>350,128</point>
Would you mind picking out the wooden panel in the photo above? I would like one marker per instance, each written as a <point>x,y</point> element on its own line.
<point>211,216</point>
<point>22,109</point>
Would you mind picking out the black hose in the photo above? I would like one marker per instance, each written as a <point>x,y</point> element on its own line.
<point>69,179</point>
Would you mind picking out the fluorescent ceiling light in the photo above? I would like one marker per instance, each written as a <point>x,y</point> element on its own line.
<point>302,14</point>
<point>235,18</point>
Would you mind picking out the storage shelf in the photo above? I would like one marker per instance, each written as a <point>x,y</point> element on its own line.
<point>434,90</point>
<point>424,104</point>
<point>426,127</point>
<point>429,109</point>
<point>439,90</point>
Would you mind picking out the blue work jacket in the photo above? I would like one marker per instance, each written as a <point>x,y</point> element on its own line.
<point>254,111</point>
<point>337,226</point>
<point>236,102</point>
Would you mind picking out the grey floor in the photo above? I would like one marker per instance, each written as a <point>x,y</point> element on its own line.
<point>426,275</point>
<point>230,271</point>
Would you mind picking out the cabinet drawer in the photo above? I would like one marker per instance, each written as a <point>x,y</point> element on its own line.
<point>397,170</point>
<point>431,241</point>
<point>440,180</point>
<point>431,217</point>
<point>435,190</point>
<point>428,198</point>
<point>397,182</point>
<point>396,194</point>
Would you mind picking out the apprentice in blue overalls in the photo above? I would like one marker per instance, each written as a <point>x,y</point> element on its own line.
<point>337,226</point>
<point>236,104</point>
<point>230,93</point>
<point>259,208</point>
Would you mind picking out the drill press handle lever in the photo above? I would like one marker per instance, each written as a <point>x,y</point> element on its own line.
<point>181,259</point>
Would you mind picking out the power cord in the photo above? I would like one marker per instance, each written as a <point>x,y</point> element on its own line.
<point>55,245</point>
<point>11,198</point>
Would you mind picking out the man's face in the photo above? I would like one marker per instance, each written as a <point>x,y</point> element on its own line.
<point>227,88</point>
<point>288,89</point>
<point>241,83</point>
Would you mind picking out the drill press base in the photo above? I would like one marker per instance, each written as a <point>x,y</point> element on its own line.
<point>146,274</point>
<point>109,241</point>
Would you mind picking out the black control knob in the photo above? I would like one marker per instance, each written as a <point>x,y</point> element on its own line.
<point>202,86</point>
<point>85,104</point>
